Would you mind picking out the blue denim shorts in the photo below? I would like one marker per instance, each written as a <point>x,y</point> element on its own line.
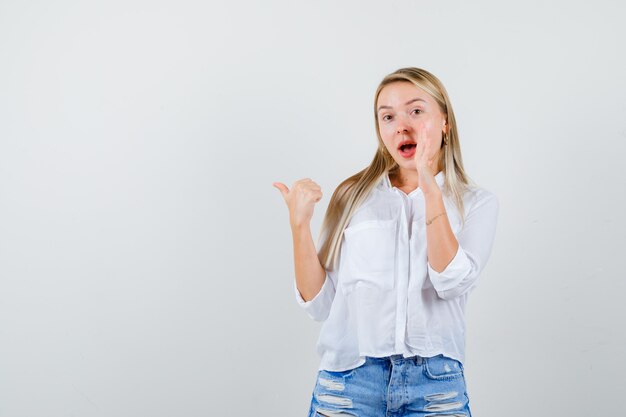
<point>393,386</point>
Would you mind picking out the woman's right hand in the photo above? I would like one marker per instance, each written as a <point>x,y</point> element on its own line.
<point>300,200</point>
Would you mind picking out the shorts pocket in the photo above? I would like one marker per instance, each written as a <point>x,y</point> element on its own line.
<point>337,375</point>
<point>370,255</point>
<point>336,381</point>
<point>441,367</point>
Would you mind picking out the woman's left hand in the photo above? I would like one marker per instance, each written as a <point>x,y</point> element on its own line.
<point>425,160</point>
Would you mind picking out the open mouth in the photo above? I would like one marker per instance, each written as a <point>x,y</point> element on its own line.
<point>407,149</point>
<point>407,146</point>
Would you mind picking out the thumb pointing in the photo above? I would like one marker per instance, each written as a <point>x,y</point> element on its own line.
<point>282,188</point>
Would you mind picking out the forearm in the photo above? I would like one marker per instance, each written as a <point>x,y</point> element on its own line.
<point>441,242</point>
<point>310,274</point>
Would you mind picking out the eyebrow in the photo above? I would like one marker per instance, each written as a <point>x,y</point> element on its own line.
<point>406,104</point>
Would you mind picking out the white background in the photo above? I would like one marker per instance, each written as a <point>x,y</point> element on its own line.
<point>145,258</point>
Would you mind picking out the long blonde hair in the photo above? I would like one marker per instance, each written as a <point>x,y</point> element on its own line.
<point>355,189</point>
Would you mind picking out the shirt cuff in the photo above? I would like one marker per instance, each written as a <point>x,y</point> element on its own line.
<point>319,306</point>
<point>453,274</point>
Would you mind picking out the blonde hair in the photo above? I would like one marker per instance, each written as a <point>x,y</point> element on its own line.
<point>355,189</point>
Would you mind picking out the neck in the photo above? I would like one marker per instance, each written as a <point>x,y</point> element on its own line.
<point>406,178</point>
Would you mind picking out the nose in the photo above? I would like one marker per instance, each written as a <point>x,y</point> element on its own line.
<point>403,126</point>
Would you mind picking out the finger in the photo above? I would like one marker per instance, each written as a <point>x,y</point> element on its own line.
<point>422,141</point>
<point>425,154</point>
<point>302,181</point>
<point>418,151</point>
<point>422,132</point>
<point>308,185</point>
<point>282,188</point>
<point>422,147</point>
<point>426,148</point>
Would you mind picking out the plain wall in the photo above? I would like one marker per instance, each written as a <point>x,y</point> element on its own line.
<point>146,259</point>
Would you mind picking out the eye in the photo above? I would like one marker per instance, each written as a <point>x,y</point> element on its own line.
<point>384,117</point>
<point>418,110</point>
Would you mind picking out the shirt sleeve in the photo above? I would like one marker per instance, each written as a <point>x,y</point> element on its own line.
<point>475,243</point>
<point>318,307</point>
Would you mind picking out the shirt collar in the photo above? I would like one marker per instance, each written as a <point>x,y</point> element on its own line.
<point>386,183</point>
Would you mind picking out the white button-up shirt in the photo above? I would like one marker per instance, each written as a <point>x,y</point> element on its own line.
<point>384,298</point>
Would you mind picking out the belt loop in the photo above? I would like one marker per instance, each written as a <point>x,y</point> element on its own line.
<point>419,359</point>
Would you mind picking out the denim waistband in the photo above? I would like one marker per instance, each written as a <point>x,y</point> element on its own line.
<point>398,358</point>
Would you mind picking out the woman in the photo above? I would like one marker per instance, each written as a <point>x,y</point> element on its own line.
<point>404,242</point>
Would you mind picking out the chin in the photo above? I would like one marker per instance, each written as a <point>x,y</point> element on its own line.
<point>406,163</point>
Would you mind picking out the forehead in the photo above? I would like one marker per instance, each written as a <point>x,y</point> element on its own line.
<point>399,92</point>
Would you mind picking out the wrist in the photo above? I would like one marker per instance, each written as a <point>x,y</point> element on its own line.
<point>297,227</point>
<point>429,221</point>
